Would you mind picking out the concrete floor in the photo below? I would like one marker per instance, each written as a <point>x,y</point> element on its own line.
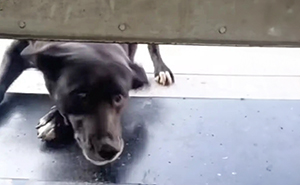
<point>168,141</point>
<point>209,72</point>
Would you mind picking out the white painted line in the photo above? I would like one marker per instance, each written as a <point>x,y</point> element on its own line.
<point>193,86</point>
<point>208,72</point>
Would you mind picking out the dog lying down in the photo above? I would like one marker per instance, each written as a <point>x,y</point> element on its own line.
<point>89,84</point>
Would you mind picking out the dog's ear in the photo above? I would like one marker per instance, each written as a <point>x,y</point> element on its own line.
<point>139,76</point>
<point>48,58</point>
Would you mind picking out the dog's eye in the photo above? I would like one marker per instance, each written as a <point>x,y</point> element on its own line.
<point>77,94</point>
<point>81,95</point>
<point>118,99</point>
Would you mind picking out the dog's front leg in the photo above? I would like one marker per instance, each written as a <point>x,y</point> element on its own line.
<point>12,66</point>
<point>53,126</point>
<point>163,75</point>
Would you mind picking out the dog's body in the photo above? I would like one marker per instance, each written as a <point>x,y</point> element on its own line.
<point>89,83</point>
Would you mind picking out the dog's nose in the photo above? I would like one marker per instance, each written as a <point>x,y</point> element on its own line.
<point>108,152</point>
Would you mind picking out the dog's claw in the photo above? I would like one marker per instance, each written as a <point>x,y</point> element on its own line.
<point>41,123</point>
<point>164,78</point>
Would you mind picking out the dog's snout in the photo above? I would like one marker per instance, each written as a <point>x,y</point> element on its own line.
<point>108,152</point>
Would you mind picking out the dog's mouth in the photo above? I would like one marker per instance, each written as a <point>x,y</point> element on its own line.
<point>102,162</point>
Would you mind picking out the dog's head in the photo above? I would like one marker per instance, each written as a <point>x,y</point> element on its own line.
<point>90,85</point>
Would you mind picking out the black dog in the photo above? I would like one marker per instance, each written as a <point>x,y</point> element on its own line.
<point>89,84</point>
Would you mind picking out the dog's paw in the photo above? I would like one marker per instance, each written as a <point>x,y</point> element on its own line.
<point>164,78</point>
<point>46,129</point>
<point>53,127</point>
